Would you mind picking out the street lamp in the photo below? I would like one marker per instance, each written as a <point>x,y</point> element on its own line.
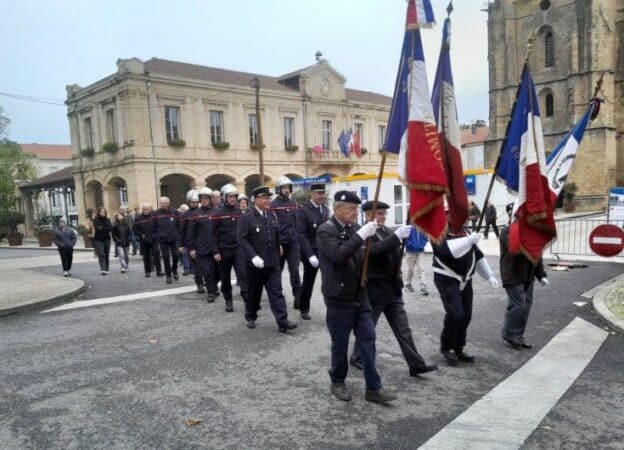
<point>255,84</point>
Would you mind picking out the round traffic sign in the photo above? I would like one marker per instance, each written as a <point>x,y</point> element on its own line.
<point>607,240</point>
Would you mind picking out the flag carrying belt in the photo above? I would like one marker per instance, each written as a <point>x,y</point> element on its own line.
<point>448,272</point>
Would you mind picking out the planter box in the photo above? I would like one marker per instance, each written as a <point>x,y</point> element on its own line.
<point>88,241</point>
<point>45,238</point>
<point>15,238</point>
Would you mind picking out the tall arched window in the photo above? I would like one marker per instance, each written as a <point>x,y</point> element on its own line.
<point>549,104</point>
<point>549,55</point>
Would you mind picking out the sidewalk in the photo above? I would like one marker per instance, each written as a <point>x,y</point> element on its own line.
<point>31,243</point>
<point>609,303</point>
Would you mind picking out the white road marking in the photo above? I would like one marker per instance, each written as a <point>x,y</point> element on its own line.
<point>508,414</point>
<point>121,298</point>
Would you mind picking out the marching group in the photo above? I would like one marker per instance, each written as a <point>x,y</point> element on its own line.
<point>220,231</point>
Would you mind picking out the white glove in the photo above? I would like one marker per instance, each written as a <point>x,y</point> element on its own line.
<point>313,260</point>
<point>544,282</point>
<point>257,262</point>
<point>494,282</point>
<point>367,230</point>
<point>474,238</point>
<point>403,232</point>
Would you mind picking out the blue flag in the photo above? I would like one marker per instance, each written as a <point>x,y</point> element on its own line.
<point>343,141</point>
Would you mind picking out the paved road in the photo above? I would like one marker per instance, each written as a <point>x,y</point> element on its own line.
<point>127,375</point>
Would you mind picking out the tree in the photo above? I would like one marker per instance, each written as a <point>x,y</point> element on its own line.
<point>15,166</point>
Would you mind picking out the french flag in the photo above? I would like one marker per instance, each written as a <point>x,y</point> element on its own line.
<point>523,155</point>
<point>445,111</point>
<point>355,146</point>
<point>412,131</point>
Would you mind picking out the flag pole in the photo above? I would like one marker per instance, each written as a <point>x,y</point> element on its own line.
<point>447,162</point>
<point>531,40</point>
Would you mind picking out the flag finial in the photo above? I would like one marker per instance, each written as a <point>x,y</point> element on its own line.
<point>530,45</point>
<point>449,8</point>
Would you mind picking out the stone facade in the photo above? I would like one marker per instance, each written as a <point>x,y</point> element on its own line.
<point>576,42</point>
<point>129,108</point>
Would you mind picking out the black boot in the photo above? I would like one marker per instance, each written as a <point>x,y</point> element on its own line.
<point>210,298</point>
<point>229,305</point>
<point>200,288</point>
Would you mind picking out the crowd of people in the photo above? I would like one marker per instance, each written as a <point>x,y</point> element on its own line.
<point>220,231</point>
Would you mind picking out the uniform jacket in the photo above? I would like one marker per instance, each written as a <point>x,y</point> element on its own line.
<point>309,218</point>
<point>145,228</point>
<point>384,261</point>
<point>103,228</point>
<point>121,233</point>
<point>459,269</point>
<point>64,237</point>
<point>259,236</point>
<point>341,257</point>
<point>183,225</point>
<point>199,231</point>
<point>224,227</point>
<point>517,269</point>
<point>166,225</point>
<point>286,211</point>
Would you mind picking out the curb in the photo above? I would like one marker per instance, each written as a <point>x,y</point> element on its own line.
<point>22,247</point>
<point>600,307</point>
<point>47,302</point>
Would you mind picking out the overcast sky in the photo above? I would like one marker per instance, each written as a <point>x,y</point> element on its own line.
<point>51,43</point>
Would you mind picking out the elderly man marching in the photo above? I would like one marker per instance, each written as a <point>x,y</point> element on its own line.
<point>385,288</point>
<point>199,239</point>
<point>225,244</point>
<point>192,197</point>
<point>455,261</point>
<point>310,217</point>
<point>144,228</point>
<point>166,230</point>
<point>341,254</point>
<point>258,235</point>
<point>285,208</point>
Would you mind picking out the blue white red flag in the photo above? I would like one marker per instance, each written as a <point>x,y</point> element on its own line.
<point>522,168</point>
<point>355,146</point>
<point>412,133</point>
<point>445,111</point>
<point>343,142</point>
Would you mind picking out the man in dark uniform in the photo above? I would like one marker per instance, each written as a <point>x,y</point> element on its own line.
<point>144,228</point>
<point>225,245</point>
<point>200,242</point>
<point>455,261</point>
<point>309,217</point>
<point>192,197</point>
<point>341,255</point>
<point>385,288</point>
<point>258,236</point>
<point>166,228</point>
<point>285,209</point>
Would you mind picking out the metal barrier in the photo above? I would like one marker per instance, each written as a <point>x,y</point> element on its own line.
<point>573,236</point>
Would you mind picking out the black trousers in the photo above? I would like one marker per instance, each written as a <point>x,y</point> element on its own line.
<point>269,278</point>
<point>309,275</point>
<point>102,250</point>
<point>205,267</point>
<point>341,321</point>
<point>67,254</point>
<point>518,308</point>
<point>384,300</point>
<point>494,227</point>
<point>169,251</point>
<point>292,255</point>
<point>232,258</point>
<point>458,307</point>
<point>151,257</point>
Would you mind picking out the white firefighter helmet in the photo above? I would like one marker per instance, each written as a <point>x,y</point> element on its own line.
<point>204,191</point>
<point>192,196</point>
<point>283,181</point>
<point>243,197</point>
<point>229,189</point>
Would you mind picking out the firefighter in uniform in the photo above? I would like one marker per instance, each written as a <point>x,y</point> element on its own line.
<point>310,216</point>
<point>285,208</point>
<point>341,255</point>
<point>225,245</point>
<point>192,197</point>
<point>144,229</point>
<point>199,239</point>
<point>455,261</point>
<point>258,235</point>
<point>166,221</point>
<point>385,287</point>
<point>243,203</point>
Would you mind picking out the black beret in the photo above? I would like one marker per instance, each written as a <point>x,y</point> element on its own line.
<point>317,187</point>
<point>261,191</point>
<point>368,206</point>
<point>347,197</point>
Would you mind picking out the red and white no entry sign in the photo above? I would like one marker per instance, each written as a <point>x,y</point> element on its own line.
<point>607,240</point>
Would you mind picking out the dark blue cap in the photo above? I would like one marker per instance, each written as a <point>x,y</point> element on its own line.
<point>347,197</point>
<point>368,206</point>
<point>261,191</point>
<point>317,187</point>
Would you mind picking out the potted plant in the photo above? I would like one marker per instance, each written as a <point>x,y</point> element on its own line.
<point>85,233</point>
<point>569,193</point>
<point>87,152</point>
<point>177,143</point>
<point>257,146</point>
<point>110,147</point>
<point>291,148</point>
<point>11,220</point>
<point>221,145</point>
<point>44,231</point>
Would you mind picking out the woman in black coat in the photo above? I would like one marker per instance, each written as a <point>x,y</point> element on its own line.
<point>65,239</point>
<point>122,235</point>
<point>102,238</point>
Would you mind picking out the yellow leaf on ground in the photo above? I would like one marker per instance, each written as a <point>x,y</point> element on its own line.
<point>192,422</point>
<point>152,341</point>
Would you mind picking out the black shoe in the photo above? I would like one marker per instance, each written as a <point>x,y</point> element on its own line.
<point>524,344</point>
<point>148,275</point>
<point>340,391</point>
<point>210,298</point>
<point>463,357</point>
<point>200,289</point>
<point>450,357</point>
<point>305,316</point>
<point>415,371</point>
<point>514,343</point>
<point>380,396</point>
<point>175,276</point>
<point>169,280</point>
<point>229,306</point>
<point>160,274</point>
<point>185,273</point>
<point>251,324</point>
<point>287,326</point>
<point>355,363</point>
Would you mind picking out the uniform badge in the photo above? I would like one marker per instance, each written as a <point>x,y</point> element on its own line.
<point>257,229</point>
<point>314,225</point>
<point>171,219</point>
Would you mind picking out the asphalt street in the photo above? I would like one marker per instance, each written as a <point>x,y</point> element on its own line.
<point>128,375</point>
